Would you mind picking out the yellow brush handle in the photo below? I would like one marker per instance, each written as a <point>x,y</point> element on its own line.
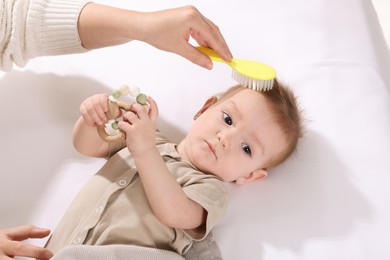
<point>211,53</point>
<point>246,72</point>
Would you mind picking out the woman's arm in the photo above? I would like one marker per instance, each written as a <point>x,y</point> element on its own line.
<point>168,30</point>
<point>32,28</point>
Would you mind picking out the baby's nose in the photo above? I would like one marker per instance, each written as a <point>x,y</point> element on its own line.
<point>224,140</point>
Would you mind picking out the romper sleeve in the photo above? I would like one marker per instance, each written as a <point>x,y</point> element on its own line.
<point>115,147</point>
<point>212,194</point>
<point>31,28</point>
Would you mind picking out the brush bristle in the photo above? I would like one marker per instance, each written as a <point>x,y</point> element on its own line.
<point>255,84</point>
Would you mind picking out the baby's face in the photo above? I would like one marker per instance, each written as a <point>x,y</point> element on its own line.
<point>234,137</point>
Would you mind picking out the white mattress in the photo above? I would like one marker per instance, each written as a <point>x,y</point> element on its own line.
<point>329,201</point>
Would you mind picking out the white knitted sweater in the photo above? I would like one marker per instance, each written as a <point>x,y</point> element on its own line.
<point>31,28</point>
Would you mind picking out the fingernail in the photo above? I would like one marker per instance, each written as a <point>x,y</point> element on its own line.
<point>209,66</point>
<point>47,255</point>
<point>39,229</point>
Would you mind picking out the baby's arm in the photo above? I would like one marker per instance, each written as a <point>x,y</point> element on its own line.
<point>86,140</point>
<point>166,197</point>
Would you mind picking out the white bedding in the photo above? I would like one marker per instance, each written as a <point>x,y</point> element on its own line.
<point>329,201</point>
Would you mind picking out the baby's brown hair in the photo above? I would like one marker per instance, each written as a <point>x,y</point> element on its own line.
<point>284,105</point>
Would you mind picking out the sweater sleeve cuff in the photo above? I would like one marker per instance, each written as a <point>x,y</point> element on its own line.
<point>52,24</point>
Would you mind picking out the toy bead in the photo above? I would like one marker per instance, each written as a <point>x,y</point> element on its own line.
<point>112,99</point>
<point>141,99</point>
<point>116,93</point>
<point>124,90</point>
<point>111,132</point>
<point>115,125</point>
<point>134,91</point>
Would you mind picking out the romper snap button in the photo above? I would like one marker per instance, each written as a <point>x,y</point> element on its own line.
<point>77,241</point>
<point>122,182</point>
<point>99,209</point>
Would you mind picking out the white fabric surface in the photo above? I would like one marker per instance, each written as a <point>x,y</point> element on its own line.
<point>329,201</point>
<point>115,252</point>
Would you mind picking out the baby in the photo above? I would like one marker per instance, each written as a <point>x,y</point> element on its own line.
<point>155,193</point>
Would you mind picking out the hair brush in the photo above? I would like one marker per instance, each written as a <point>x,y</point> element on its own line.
<point>250,74</point>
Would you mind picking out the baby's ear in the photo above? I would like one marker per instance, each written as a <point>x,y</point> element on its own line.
<point>257,175</point>
<point>209,102</point>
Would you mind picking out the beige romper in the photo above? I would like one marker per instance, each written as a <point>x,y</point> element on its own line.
<point>112,207</point>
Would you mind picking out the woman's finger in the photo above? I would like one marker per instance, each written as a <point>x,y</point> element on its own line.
<point>27,231</point>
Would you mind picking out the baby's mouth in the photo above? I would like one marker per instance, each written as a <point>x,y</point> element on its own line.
<point>212,149</point>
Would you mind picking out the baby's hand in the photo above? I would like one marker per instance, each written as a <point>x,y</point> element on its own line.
<point>93,109</point>
<point>140,126</point>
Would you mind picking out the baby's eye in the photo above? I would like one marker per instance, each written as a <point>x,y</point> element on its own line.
<point>227,118</point>
<point>246,149</point>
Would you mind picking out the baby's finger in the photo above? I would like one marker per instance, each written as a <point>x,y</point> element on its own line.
<point>90,116</point>
<point>95,110</point>
<point>126,125</point>
<point>130,117</point>
<point>153,111</point>
<point>140,110</point>
<point>100,105</point>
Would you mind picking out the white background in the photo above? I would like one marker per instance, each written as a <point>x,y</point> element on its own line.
<point>329,201</point>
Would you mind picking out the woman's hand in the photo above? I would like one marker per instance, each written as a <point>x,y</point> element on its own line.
<point>170,30</point>
<point>11,245</point>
